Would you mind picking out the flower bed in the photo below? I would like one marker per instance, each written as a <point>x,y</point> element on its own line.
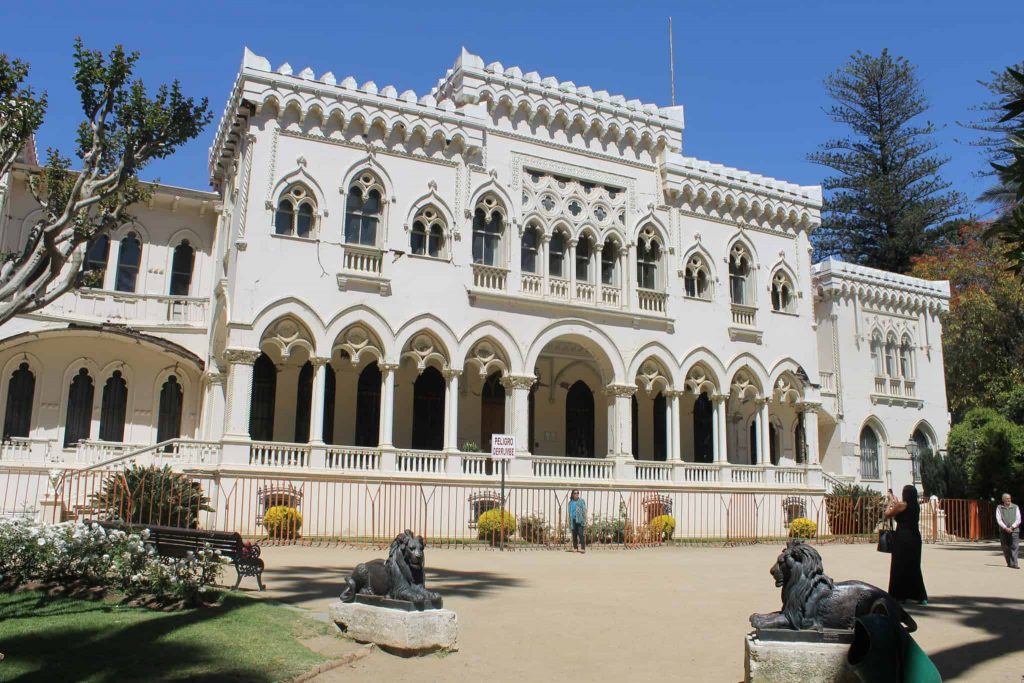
<point>76,554</point>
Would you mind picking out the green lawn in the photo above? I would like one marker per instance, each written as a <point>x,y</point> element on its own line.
<point>64,639</point>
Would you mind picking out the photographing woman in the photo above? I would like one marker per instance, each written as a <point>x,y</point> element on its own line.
<point>905,579</point>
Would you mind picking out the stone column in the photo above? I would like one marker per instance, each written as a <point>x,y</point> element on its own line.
<point>810,413</point>
<point>451,409</point>
<point>622,430</point>
<point>628,276</point>
<point>572,269</point>
<point>517,409</point>
<point>674,433</point>
<point>239,392</point>
<point>542,254</point>
<point>763,432</point>
<point>721,446</point>
<point>596,260</point>
<point>316,414</point>
<point>387,404</point>
<point>214,413</point>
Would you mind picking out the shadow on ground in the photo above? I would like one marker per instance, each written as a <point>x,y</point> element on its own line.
<point>999,617</point>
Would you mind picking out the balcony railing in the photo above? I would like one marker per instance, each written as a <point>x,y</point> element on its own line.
<point>651,301</point>
<point>899,388</point>
<point>828,382</point>
<point>352,458</point>
<point>271,454</point>
<point>421,462</point>
<point>532,284</point>
<point>100,304</point>
<point>558,288</point>
<point>584,291</point>
<point>363,260</point>
<point>744,315</point>
<point>573,468</point>
<point>653,471</point>
<point>611,296</point>
<point>700,474</point>
<point>489,277</point>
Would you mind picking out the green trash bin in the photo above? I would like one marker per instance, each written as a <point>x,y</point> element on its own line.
<point>884,652</point>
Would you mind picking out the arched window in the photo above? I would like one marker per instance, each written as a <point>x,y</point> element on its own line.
<point>368,406</point>
<point>304,402</point>
<point>868,453</point>
<point>739,275</point>
<point>264,396</point>
<point>488,228</point>
<point>20,391</point>
<point>168,422</point>
<point>583,254</point>
<point>428,396</point>
<point>660,427</point>
<point>363,209</point>
<point>296,212</point>
<point>528,248</point>
<point>579,421</point>
<point>703,432</point>
<point>128,261</point>
<point>782,292</point>
<point>697,279</point>
<point>556,255</point>
<point>906,358</point>
<point>609,264</point>
<point>78,422</point>
<point>890,356</point>
<point>876,353</point>
<point>921,445</point>
<point>181,269</point>
<point>114,408</point>
<point>492,410</point>
<point>330,396</point>
<point>96,255</point>
<point>427,237</point>
<point>648,254</point>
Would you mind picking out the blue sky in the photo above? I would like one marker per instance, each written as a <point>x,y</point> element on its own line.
<point>749,73</point>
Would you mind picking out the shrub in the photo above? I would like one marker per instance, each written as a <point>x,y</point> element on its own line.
<point>801,527</point>
<point>663,526</point>
<point>491,523</point>
<point>150,495</point>
<point>470,447</point>
<point>853,509</point>
<point>606,530</point>
<point>535,529</point>
<point>282,522</point>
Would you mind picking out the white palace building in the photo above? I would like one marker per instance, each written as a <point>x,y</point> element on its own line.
<point>382,280</point>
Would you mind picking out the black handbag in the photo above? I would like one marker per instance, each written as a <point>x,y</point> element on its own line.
<point>886,540</point>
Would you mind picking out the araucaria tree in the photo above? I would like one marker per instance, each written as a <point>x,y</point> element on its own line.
<point>885,202</point>
<point>1009,227</point>
<point>123,130</point>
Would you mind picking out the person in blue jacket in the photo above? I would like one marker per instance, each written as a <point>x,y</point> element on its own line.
<point>578,522</point>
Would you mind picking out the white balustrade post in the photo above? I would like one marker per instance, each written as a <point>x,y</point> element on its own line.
<point>451,409</point>
<point>316,415</point>
<point>721,447</point>
<point>239,392</point>
<point>387,404</point>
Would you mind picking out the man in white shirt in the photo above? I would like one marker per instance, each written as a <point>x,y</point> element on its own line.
<point>1008,518</point>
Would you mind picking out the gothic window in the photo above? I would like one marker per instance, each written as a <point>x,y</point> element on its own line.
<point>528,249</point>
<point>368,406</point>
<point>304,402</point>
<point>609,264</point>
<point>296,213</point>
<point>890,356</point>
<point>78,422</point>
<point>128,261</point>
<point>697,279</point>
<point>583,254</point>
<point>703,431</point>
<point>782,293</point>
<point>488,229</point>
<point>660,427</point>
<point>20,391</point>
<point>428,397</point>
<point>330,396</point>
<point>868,453</point>
<point>428,233</point>
<point>363,210</point>
<point>739,275</point>
<point>906,358</point>
<point>492,410</point>
<point>921,446</point>
<point>114,408</point>
<point>579,421</point>
<point>556,255</point>
<point>96,254</point>
<point>168,423</point>
<point>181,269</point>
<point>648,255</point>
<point>264,395</point>
<point>876,353</point>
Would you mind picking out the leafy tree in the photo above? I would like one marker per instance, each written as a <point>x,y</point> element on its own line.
<point>150,495</point>
<point>992,450</point>
<point>886,200</point>
<point>994,130</point>
<point>945,477</point>
<point>1009,228</point>
<point>124,129</point>
<point>983,332</point>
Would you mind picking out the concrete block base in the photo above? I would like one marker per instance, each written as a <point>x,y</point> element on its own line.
<point>790,662</point>
<point>398,631</point>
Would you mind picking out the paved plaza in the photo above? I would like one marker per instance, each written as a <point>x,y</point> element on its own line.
<point>666,613</point>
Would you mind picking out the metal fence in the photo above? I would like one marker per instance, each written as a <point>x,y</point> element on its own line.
<point>304,510</point>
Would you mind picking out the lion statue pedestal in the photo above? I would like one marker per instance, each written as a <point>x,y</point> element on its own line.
<point>386,602</point>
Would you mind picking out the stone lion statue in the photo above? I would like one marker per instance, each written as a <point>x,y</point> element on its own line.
<point>812,600</point>
<point>400,577</point>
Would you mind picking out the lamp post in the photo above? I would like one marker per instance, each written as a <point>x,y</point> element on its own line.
<point>914,450</point>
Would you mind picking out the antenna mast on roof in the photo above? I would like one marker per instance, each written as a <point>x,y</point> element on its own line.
<point>671,62</point>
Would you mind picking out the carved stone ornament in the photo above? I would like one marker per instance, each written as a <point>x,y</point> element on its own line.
<point>620,390</point>
<point>242,356</point>
<point>521,382</point>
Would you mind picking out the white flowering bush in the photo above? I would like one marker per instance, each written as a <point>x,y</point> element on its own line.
<point>75,552</point>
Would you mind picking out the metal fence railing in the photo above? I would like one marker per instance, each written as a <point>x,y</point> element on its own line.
<point>311,510</point>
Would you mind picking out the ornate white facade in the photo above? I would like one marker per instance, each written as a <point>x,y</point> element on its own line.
<point>381,279</point>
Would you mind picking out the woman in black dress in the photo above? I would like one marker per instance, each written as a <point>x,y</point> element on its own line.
<point>905,579</point>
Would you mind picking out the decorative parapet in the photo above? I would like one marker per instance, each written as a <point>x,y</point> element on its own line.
<point>837,279</point>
